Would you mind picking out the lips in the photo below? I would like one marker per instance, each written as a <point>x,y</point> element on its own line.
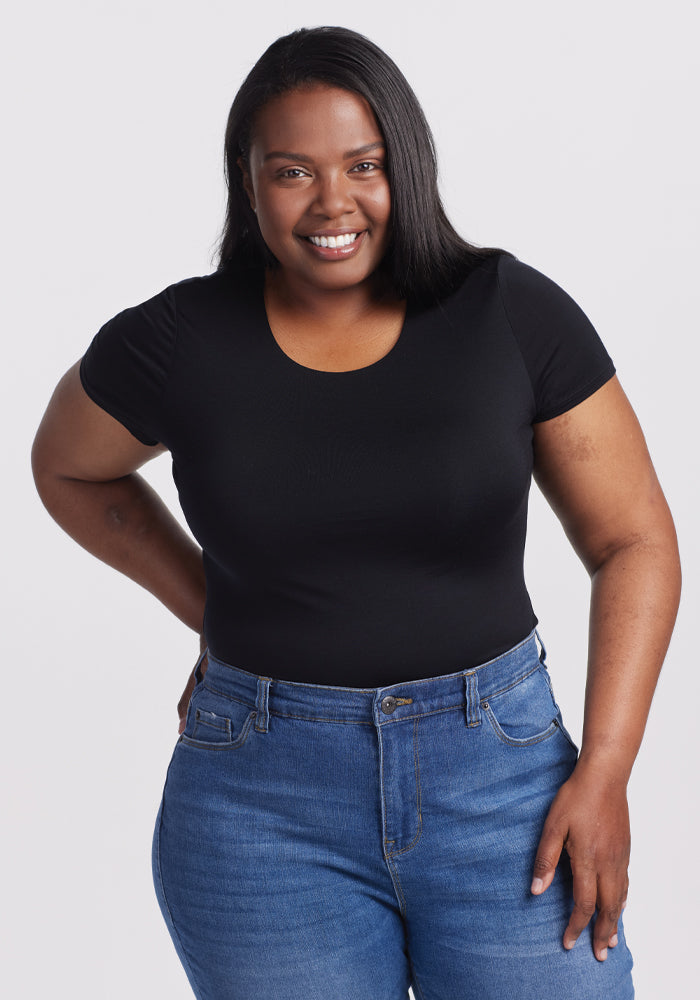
<point>343,240</point>
<point>335,244</point>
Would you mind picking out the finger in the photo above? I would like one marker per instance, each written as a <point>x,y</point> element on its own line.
<point>585,893</point>
<point>614,937</point>
<point>605,928</point>
<point>548,853</point>
<point>612,943</point>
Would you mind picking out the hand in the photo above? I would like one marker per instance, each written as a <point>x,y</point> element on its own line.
<point>589,817</point>
<point>184,701</point>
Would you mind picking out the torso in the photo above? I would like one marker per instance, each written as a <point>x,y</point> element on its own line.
<point>365,525</point>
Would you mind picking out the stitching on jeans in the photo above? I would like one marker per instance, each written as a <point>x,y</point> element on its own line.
<point>562,729</point>
<point>508,687</point>
<point>416,768</point>
<point>510,740</point>
<point>186,959</point>
<point>189,741</point>
<point>362,722</point>
<point>398,889</point>
<point>418,785</point>
<point>220,723</point>
<point>424,715</point>
<point>313,718</point>
<point>472,700</point>
<point>223,694</point>
<point>414,981</point>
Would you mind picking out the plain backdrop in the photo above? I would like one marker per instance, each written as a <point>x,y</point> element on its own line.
<point>566,134</point>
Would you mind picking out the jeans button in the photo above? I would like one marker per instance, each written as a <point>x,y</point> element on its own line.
<point>388,705</point>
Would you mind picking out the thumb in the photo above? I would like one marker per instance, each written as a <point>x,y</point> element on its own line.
<point>548,853</point>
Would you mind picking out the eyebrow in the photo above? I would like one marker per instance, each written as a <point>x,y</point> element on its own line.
<point>360,151</point>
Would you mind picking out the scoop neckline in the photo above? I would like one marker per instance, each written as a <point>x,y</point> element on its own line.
<point>270,337</point>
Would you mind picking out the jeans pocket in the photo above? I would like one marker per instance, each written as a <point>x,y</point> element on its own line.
<point>524,712</point>
<point>216,722</point>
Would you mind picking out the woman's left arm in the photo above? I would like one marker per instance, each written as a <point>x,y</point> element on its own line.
<point>593,467</point>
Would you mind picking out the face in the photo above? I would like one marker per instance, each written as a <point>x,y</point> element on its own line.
<point>316,179</point>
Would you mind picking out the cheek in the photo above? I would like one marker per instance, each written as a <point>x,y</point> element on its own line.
<point>275,220</point>
<point>380,206</point>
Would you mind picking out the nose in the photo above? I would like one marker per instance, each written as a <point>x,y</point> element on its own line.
<point>334,196</point>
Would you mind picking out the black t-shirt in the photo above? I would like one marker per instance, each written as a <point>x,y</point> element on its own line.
<point>359,528</point>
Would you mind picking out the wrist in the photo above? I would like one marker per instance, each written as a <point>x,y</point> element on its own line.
<point>607,767</point>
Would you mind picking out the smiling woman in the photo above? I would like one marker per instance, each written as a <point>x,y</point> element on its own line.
<point>309,201</point>
<point>324,212</point>
<point>373,786</point>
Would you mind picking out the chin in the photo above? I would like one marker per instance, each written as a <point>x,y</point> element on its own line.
<point>334,277</point>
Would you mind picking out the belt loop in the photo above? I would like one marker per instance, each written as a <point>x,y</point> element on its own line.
<point>543,651</point>
<point>473,715</point>
<point>261,704</point>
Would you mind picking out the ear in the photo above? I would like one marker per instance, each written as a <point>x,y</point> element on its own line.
<point>247,182</point>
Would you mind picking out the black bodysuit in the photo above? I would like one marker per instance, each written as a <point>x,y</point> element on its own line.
<point>359,528</point>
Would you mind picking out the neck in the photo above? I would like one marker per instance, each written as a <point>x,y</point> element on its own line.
<point>328,304</point>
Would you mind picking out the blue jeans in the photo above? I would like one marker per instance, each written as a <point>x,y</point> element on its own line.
<point>331,843</point>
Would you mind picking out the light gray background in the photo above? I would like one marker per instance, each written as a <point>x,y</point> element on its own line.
<point>567,134</point>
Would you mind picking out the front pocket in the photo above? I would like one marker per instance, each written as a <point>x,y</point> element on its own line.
<point>210,727</point>
<point>215,722</point>
<point>525,712</point>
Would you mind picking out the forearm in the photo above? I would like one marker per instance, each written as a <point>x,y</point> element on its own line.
<point>125,524</point>
<point>634,601</point>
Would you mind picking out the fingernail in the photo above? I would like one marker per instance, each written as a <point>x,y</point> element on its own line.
<point>613,941</point>
<point>568,944</point>
<point>537,885</point>
<point>603,954</point>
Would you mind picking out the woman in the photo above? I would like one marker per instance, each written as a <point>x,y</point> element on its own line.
<point>373,786</point>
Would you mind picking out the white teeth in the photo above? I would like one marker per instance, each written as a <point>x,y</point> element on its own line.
<point>334,241</point>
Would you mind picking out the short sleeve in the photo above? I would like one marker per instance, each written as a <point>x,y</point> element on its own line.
<point>565,358</point>
<point>125,368</point>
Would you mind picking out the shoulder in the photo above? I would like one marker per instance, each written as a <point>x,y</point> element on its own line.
<point>530,297</point>
<point>195,299</point>
<point>204,297</point>
<point>196,290</point>
<point>562,350</point>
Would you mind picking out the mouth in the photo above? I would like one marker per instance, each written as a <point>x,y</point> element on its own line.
<point>336,246</point>
<point>341,240</point>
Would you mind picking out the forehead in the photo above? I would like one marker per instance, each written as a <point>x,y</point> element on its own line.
<point>314,116</point>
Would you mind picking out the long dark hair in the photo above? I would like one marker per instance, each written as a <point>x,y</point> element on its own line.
<point>426,258</point>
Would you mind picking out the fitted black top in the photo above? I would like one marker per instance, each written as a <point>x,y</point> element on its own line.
<point>365,527</point>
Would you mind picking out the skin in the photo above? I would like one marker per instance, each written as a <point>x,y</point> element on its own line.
<point>591,463</point>
<point>310,174</point>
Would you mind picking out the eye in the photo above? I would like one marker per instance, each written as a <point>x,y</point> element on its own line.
<point>292,173</point>
<point>366,167</point>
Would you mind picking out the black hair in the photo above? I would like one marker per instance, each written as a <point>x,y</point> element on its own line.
<point>426,258</point>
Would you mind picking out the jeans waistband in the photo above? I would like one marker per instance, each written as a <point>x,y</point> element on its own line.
<point>380,705</point>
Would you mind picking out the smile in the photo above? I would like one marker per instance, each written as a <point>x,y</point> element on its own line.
<point>334,248</point>
<point>333,241</point>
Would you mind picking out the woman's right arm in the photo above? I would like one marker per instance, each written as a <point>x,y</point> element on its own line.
<point>84,464</point>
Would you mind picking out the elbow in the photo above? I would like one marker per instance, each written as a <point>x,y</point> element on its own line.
<point>48,479</point>
<point>40,469</point>
<point>651,557</point>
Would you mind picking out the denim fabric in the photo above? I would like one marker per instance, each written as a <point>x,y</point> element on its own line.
<point>334,843</point>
